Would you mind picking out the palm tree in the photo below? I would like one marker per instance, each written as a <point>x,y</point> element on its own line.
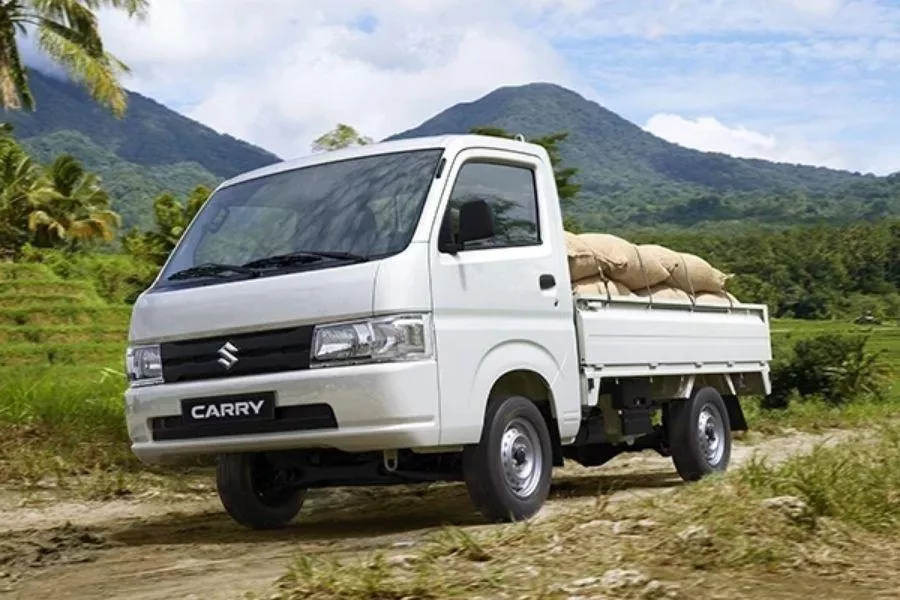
<point>76,210</point>
<point>68,33</point>
<point>22,187</point>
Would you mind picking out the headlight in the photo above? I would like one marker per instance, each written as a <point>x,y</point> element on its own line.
<point>398,338</point>
<point>144,365</point>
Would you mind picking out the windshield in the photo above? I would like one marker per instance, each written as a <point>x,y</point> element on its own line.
<point>313,217</point>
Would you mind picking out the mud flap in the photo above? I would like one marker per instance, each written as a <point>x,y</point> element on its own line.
<point>735,413</point>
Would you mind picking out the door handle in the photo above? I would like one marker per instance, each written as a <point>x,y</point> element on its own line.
<point>547,281</point>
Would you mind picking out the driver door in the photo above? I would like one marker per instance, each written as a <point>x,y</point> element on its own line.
<point>497,302</point>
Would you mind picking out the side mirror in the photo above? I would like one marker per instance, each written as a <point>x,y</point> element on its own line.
<point>476,222</point>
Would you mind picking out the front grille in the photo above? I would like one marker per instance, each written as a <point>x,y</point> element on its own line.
<point>255,353</point>
<point>305,417</point>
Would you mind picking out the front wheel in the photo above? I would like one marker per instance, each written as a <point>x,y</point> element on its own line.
<point>508,473</point>
<point>252,491</point>
<point>700,435</point>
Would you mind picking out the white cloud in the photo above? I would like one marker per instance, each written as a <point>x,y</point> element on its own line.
<point>617,18</point>
<point>824,8</point>
<point>709,134</point>
<point>279,74</point>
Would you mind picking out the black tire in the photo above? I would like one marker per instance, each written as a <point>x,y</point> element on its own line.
<point>492,492</point>
<point>247,489</point>
<point>697,456</point>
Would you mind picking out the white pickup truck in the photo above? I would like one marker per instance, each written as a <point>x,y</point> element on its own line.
<point>402,312</point>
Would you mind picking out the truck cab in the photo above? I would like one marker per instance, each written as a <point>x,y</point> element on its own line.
<point>398,313</point>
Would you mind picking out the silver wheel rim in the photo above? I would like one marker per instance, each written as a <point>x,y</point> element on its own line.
<point>521,458</point>
<point>711,435</point>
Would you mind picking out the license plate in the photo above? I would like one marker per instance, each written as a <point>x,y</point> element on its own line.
<point>228,409</point>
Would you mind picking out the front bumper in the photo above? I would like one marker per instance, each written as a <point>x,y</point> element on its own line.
<point>376,407</point>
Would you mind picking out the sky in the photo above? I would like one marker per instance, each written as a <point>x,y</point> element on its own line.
<point>800,81</point>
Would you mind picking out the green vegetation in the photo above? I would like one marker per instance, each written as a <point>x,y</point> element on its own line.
<point>150,151</point>
<point>808,272</point>
<point>628,178</point>
<point>632,178</point>
<point>172,218</point>
<point>566,187</point>
<point>829,374</point>
<point>60,376</point>
<point>61,205</point>
<point>342,136</point>
<point>67,32</point>
<point>830,516</point>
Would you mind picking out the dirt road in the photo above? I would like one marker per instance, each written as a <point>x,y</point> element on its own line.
<point>183,546</point>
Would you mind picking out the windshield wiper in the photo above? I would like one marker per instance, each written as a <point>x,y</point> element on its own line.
<point>306,256</point>
<point>212,269</point>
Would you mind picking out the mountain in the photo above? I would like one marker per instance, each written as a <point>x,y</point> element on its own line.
<point>150,150</point>
<point>630,176</point>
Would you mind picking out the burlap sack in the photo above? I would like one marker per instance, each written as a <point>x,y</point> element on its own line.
<point>696,276</point>
<point>625,262</point>
<point>599,286</point>
<point>618,289</point>
<point>611,252</point>
<point>645,269</point>
<point>665,293</point>
<point>582,261</point>
<point>669,259</point>
<point>723,298</point>
<point>590,286</point>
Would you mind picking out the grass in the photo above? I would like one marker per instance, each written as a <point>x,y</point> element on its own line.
<point>885,338</point>
<point>821,523</point>
<point>58,421</point>
<point>61,347</point>
<point>812,414</point>
<point>61,351</point>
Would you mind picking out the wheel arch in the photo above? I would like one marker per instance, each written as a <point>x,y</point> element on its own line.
<point>533,386</point>
<point>685,386</point>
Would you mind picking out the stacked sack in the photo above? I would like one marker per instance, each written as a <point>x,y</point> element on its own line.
<point>607,265</point>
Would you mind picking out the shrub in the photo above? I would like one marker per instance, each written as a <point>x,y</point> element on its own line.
<point>838,368</point>
<point>118,278</point>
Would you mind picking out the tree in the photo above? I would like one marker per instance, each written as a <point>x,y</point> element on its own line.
<point>22,187</point>
<point>74,211</point>
<point>67,32</point>
<point>566,188</point>
<point>342,136</point>
<point>62,205</point>
<point>172,218</point>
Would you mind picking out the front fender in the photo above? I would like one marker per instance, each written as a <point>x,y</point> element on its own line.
<point>520,355</point>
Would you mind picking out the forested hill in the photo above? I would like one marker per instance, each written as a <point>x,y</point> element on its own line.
<point>150,150</point>
<point>631,176</point>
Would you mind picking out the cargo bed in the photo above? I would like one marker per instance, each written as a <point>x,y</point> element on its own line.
<point>637,337</point>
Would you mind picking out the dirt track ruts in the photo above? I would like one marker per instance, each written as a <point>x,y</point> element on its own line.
<point>184,546</point>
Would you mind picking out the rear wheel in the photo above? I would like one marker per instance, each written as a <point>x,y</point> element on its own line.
<point>252,490</point>
<point>700,435</point>
<point>508,473</point>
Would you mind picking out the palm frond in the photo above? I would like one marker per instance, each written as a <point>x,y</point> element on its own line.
<point>75,50</point>
<point>65,173</point>
<point>133,8</point>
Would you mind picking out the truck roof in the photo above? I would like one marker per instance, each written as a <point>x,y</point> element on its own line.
<point>418,143</point>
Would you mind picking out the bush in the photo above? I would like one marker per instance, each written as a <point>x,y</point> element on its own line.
<point>838,368</point>
<point>118,278</point>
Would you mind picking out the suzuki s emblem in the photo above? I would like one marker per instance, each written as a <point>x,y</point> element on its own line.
<point>228,355</point>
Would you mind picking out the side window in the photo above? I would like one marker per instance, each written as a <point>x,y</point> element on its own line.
<point>512,195</point>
